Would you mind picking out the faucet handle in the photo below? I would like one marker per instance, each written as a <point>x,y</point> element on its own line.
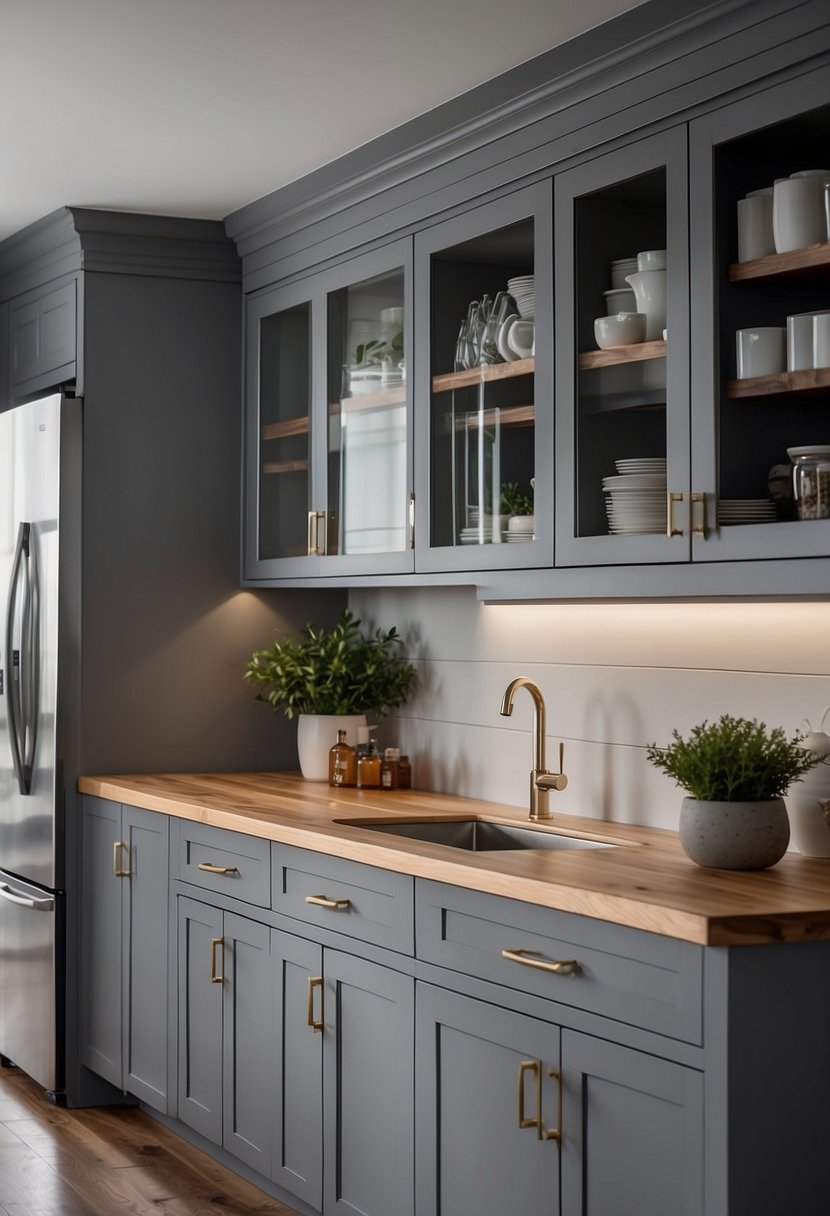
<point>561,757</point>
<point>554,781</point>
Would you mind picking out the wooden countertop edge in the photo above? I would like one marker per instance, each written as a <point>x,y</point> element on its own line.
<point>645,859</point>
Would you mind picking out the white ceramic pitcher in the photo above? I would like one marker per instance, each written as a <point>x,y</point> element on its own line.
<point>808,800</point>
<point>649,287</point>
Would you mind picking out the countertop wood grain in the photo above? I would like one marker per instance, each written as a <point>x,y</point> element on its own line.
<point>647,882</point>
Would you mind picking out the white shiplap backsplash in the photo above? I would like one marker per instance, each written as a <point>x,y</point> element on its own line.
<point>615,677</point>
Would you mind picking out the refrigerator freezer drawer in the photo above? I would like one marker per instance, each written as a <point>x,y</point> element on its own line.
<point>31,919</point>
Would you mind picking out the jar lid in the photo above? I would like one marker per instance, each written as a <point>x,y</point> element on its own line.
<point>822,450</point>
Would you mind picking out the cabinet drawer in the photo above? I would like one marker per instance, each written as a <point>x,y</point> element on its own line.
<point>362,901</point>
<point>643,979</point>
<point>230,862</point>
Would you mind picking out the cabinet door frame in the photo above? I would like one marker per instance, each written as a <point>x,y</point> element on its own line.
<point>203,1118</point>
<point>667,149</point>
<point>534,202</point>
<point>101,941</point>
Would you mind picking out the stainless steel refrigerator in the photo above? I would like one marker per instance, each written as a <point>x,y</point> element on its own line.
<point>32,861</point>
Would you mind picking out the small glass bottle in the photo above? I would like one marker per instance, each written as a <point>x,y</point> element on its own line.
<point>342,762</point>
<point>368,768</point>
<point>389,768</point>
<point>404,773</point>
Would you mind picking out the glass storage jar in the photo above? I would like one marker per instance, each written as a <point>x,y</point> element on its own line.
<point>811,482</point>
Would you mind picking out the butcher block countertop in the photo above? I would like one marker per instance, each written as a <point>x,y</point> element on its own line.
<point>646,883</point>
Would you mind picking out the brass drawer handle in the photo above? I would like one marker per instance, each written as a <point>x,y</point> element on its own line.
<point>217,977</point>
<point>534,1068</point>
<point>207,867</point>
<point>565,966</point>
<point>555,1133</point>
<point>698,511</point>
<point>673,497</point>
<point>321,901</point>
<point>117,867</point>
<point>314,982</point>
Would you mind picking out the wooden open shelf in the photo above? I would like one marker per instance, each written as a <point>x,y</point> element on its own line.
<point>505,416</point>
<point>284,466</point>
<point>779,265</point>
<point>483,375</point>
<point>283,430</point>
<point>371,401</point>
<point>805,383</point>
<point>616,355</point>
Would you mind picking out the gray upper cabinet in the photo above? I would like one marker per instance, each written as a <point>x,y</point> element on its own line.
<point>328,461</point>
<point>42,338</point>
<point>484,371</point>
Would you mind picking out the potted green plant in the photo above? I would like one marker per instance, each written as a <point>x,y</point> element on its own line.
<point>330,680</point>
<point>518,508</point>
<point>736,772</point>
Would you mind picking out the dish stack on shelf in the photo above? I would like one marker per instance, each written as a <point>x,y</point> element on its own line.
<point>733,511</point>
<point>636,498</point>
<point>523,291</point>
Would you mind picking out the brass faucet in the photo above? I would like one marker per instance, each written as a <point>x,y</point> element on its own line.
<point>541,781</point>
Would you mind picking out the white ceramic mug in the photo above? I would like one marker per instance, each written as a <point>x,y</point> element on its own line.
<point>801,353</point>
<point>755,238</point>
<point>651,259</point>
<point>797,213</point>
<point>821,339</point>
<point>761,352</point>
<point>649,288</point>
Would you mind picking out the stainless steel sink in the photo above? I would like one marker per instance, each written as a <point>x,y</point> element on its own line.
<point>479,836</point>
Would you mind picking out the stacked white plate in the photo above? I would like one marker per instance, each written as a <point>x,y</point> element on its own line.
<point>746,511</point>
<point>636,501</point>
<point>523,291</point>
<point>472,536</point>
<point>619,269</point>
<point>517,538</point>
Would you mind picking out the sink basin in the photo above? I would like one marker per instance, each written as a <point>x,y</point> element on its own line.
<point>478,835</point>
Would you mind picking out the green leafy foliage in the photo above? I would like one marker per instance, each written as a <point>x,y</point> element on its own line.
<point>513,502</point>
<point>734,760</point>
<point>335,672</point>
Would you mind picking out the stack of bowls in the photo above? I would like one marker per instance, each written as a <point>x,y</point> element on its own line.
<point>636,501</point>
<point>523,291</point>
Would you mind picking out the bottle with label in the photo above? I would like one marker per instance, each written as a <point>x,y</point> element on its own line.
<point>342,762</point>
<point>368,768</point>
<point>389,768</point>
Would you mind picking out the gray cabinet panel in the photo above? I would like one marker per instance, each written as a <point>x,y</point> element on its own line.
<point>473,1157</point>
<point>144,967</point>
<point>43,338</point>
<point>101,1017</point>
<point>368,1084</point>
<point>249,1049</point>
<point>230,862</point>
<point>200,952</point>
<point>632,1132</point>
<point>298,1051</point>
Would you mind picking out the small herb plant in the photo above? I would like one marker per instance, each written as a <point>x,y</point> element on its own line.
<point>513,502</point>
<point>734,760</point>
<point>336,672</point>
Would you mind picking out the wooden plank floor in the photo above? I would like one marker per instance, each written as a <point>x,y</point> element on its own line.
<point>108,1161</point>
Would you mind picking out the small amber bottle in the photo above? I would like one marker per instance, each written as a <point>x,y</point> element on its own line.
<point>368,768</point>
<point>389,769</point>
<point>342,762</point>
<point>404,773</point>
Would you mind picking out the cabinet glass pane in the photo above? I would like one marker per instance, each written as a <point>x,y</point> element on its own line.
<point>620,424</point>
<point>284,396</point>
<point>779,403</point>
<point>483,412</point>
<point>366,446</point>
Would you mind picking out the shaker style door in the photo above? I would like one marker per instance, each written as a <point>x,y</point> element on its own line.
<point>622,352</point>
<point>760,436</point>
<point>484,427</point>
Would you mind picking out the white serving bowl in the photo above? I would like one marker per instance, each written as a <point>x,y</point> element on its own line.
<point>620,299</point>
<point>621,329</point>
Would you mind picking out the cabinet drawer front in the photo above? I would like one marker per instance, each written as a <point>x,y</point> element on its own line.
<point>362,901</point>
<point>640,978</point>
<point>229,862</point>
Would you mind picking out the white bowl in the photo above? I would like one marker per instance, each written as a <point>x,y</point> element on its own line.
<point>620,299</point>
<point>621,329</point>
<point>651,259</point>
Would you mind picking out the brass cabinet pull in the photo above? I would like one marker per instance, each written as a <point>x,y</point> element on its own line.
<point>565,966</point>
<point>321,901</point>
<point>533,1067</point>
<point>698,510</point>
<point>554,1133</point>
<point>673,498</point>
<point>412,521</point>
<point>217,977</point>
<point>209,868</point>
<point>314,982</point>
<point>117,868</point>
<point>314,518</point>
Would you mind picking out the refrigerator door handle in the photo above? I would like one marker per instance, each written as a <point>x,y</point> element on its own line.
<point>29,661</point>
<point>14,672</point>
<point>26,901</point>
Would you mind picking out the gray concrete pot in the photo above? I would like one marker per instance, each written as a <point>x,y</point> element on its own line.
<point>734,835</point>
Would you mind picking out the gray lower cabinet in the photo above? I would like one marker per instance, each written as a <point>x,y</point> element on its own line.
<point>124,961</point>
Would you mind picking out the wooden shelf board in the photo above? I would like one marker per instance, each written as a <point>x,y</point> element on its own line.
<point>282,430</point>
<point>370,401</point>
<point>778,265</point>
<point>615,355</point>
<point>505,416</point>
<point>284,466</point>
<point>483,375</point>
<point>805,383</point>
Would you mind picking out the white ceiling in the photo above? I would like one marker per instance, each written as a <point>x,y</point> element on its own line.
<point>196,107</point>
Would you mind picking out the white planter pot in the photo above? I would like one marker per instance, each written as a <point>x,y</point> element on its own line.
<point>734,835</point>
<point>317,735</point>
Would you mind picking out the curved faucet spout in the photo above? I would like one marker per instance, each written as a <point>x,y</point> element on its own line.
<point>538,715</point>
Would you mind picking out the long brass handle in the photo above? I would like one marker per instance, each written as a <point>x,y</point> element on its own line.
<point>565,966</point>
<point>117,868</point>
<point>217,977</point>
<point>412,521</point>
<point>209,868</point>
<point>315,982</point>
<point>314,518</point>
<point>321,901</point>
<point>533,1067</point>
<point>673,498</point>
<point>698,509</point>
<point>554,1133</point>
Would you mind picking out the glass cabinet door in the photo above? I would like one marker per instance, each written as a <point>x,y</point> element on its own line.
<point>622,466</point>
<point>484,373</point>
<point>765,282</point>
<point>278,443</point>
<point>367,461</point>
